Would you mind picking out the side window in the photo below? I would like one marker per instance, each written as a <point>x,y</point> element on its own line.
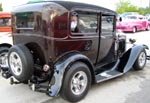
<point>107,24</point>
<point>5,22</point>
<point>141,18</point>
<point>84,22</point>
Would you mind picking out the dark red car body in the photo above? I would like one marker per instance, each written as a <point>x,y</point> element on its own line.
<point>55,38</point>
<point>46,50</point>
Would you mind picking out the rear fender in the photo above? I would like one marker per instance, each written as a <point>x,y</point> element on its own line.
<point>60,67</point>
<point>128,58</point>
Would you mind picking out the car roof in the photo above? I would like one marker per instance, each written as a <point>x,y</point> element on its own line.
<point>5,14</point>
<point>125,14</point>
<point>69,5</point>
<point>135,16</point>
<point>66,4</point>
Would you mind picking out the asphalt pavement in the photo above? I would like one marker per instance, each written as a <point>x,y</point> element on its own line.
<point>133,87</point>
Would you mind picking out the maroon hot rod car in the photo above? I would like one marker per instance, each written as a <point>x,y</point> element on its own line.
<point>67,46</point>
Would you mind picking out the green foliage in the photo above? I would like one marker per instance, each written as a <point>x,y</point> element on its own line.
<point>1,9</point>
<point>126,6</point>
<point>34,1</point>
<point>144,11</point>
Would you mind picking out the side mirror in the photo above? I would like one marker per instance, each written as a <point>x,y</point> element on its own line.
<point>120,19</point>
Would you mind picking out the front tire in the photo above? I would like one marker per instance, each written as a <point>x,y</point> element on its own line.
<point>134,29</point>
<point>77,81</point>
<point>140,61</point>
<point>20,62</point>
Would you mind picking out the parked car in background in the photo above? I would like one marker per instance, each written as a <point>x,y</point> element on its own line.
<point>125,14</point>
<point>5,37</point>
<point>129,13</point>
<point>133,23</point>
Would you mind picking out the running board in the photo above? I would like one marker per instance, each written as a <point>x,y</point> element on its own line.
<point>107,75</point>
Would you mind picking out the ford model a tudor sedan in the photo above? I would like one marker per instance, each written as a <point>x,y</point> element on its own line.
<point>63,47</point>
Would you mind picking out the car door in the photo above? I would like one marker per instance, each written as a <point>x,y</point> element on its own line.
<point>107,39</point>
<point>85,38</point>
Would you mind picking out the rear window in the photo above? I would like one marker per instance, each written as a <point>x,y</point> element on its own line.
<point>24,21</point>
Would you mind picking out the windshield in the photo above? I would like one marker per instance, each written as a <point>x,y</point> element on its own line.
<point>5,22</point>
<point>131,17</point>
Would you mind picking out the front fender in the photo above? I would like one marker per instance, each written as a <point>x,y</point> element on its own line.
<point>129,58</point>
<point>59,70</point>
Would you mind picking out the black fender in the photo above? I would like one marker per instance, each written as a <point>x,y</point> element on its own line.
<point>60,67</point>
<point>147,50</point>
<point>128,59</point>
<point>146,47</point>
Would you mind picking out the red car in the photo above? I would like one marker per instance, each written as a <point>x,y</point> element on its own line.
<point>133,23</point>
<point>6,40</point>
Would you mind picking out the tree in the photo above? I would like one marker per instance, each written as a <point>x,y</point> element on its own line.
<point>144,11</point>
<point>125,6</point>
<point>1,9</point>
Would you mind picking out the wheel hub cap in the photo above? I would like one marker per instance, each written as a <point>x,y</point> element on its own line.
<point>142,59</point>
<point>3,59</point>
<point>79,83</point>
<point>15,63</point>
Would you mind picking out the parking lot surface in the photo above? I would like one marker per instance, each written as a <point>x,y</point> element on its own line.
<point>132,87</point>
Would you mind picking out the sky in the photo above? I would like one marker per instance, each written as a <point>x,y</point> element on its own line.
<point>111,4</point>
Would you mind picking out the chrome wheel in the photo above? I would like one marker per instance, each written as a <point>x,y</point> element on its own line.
<point>4,60</point>
<point>15,63</point>
<point>79,82</point>
<point>142,59</point>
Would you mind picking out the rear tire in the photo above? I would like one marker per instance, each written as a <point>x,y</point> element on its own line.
<point>148,27</point>
<point>140,61</point>
<point>77,81</point>
<point>20,62</point>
